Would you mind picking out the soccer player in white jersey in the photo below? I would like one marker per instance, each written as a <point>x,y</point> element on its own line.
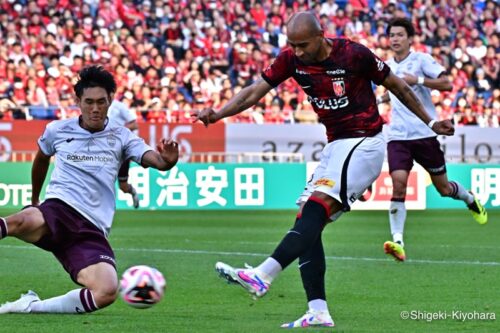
<point>410,139</point>
<point>119,114</point>
<point>74,220</point>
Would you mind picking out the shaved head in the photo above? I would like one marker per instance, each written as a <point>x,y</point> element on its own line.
<point>306,38</point>
<point>305,24</point>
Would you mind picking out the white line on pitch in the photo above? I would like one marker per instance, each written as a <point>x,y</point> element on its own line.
<point>252,254</point>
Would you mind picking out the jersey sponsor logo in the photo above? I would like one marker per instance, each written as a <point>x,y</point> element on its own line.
<point>329,103</point>
<point>89,158</point>
<point>336,72</point>
<point>325,182</point>
<point>339,88</point>
<point>301,72</point>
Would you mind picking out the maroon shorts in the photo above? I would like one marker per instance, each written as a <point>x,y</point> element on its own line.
<point>426,152</point>
<point>123,172</point>
<point>74,240</point>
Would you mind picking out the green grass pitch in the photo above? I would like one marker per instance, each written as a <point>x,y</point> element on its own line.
<point>453,265</point>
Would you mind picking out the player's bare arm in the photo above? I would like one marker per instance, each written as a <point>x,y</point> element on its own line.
<point>405,94</point>
<point>442,83</point>
<point>38,174</point>
<point>246,98</point>
<point>165,158</point>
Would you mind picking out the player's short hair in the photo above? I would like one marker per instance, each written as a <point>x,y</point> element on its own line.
<point>94,76</point>
<point>401,22</point>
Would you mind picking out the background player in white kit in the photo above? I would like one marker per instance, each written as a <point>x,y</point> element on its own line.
<point>410,139</point>
<point>120,114</point>
<point>75,219</point>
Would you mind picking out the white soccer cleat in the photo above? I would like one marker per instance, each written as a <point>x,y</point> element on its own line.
<point>22,305</point>
<point>312,318</point>
<point>248,278</point>
<point>135,197</point>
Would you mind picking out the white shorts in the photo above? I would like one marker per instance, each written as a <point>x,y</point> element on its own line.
<point>346,169</point>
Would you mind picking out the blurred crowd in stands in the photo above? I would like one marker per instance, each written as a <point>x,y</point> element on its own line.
<point>172,56</point>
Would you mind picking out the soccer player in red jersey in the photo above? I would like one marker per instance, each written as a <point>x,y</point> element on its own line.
<point>337,76</point>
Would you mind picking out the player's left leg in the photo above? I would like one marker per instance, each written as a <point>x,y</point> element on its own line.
<point>100,290</point>
<point>100,287</point>
<point>312,267</point>
<point>102,281</point>
<point>455,190</point>
<point>429,154</point>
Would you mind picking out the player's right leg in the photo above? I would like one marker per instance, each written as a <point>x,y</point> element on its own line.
<point>400,161</point>
<point>397,215</point>
<point>296,242</point>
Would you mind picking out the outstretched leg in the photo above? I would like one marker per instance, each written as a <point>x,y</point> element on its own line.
<point>296,242</point>
<point>101,288</point>
<point>455,190</point>
<point>82,249</point>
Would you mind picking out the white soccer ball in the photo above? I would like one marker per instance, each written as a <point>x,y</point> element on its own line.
<point>142,286</point>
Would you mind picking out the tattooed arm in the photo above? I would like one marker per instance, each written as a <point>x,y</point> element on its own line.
<point>405,94</point>
<point>246,98</point>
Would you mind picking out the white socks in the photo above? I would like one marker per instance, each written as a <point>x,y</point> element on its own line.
<point>270,268</point>
<point>459,192</point>
<point>318,305</point>
<point>75,301</point>
<point>397,218</point>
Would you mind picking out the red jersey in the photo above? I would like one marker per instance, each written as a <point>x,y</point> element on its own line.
<point>339,88</point>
